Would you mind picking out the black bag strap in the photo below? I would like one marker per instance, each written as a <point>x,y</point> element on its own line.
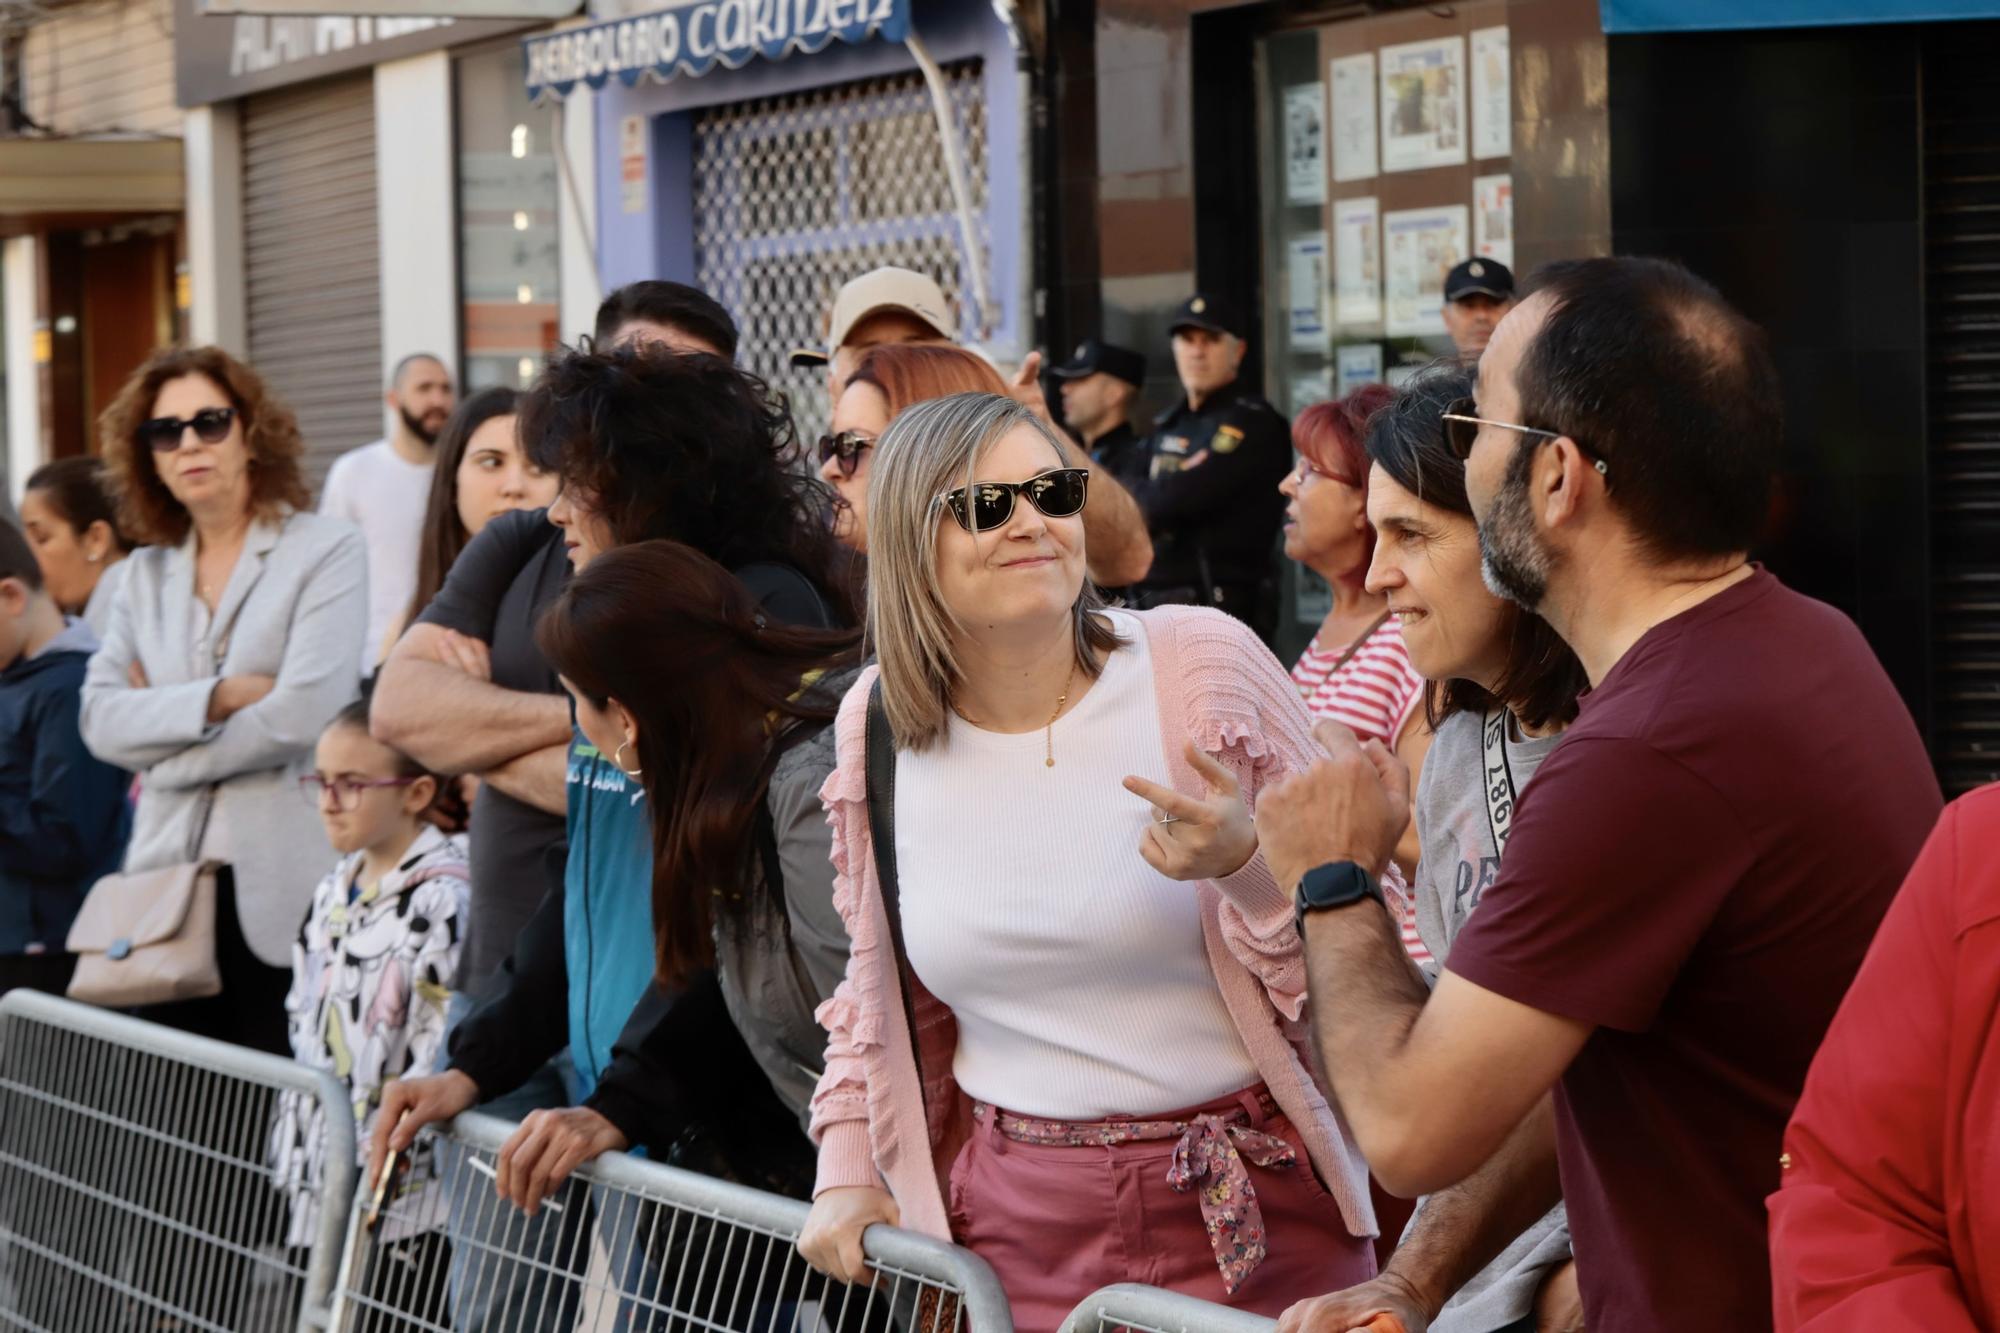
<point>880,776</point>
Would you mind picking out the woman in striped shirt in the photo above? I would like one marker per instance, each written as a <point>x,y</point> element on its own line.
<point>1355,671</point>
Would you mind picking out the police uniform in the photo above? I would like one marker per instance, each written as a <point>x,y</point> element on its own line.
<point>1119,451</point>
<point>1207,481</point>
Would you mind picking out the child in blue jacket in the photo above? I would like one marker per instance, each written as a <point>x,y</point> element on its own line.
<point>64,816</point>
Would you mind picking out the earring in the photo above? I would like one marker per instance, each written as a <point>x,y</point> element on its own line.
<point>618,760</point>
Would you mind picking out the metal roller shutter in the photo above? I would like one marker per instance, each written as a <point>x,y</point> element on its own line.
<point>1962,311</point>
<point>311,259</point>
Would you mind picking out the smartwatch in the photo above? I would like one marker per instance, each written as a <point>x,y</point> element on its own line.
<point>1335,884</point>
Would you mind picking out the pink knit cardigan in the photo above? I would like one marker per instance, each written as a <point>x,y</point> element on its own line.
<point>1215,682</point>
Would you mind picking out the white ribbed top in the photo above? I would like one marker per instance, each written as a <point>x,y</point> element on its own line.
<point>1076,971</point>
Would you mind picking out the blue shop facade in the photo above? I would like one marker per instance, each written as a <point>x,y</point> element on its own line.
<point>769,150</point>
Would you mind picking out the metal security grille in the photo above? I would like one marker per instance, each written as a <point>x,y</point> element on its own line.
<point>1962,311</point>
<point>795,195</point>
<point>312,265</point>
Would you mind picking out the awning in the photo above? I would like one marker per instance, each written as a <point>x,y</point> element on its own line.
<point>87,176</point>
<point>1704,15</point>
<point>695,37</point>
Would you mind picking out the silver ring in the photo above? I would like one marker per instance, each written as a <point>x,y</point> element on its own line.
<point>1168,819</point>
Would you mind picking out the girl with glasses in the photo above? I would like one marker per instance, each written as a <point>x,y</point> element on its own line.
<point>372,968</point>
<point>1042,837</point>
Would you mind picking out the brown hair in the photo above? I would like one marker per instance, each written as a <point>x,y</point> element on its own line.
<point>444,536</point>
<point>147,510</point>
<point>719,690</point>
<point>908,373</point>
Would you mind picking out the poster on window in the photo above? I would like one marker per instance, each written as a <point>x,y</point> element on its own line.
<point>1309,387</point>
<point>1421,245</point>
<point>1306,285</point>
<point>1492,98</point>
<point>1423,104</point>
<point>1357,261</point>
<point>1359,364</point>
<point>1353,79</point>
<point>1305,144</point>
<point>1493,218</point>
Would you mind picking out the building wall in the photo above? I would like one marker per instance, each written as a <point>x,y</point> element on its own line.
<point>103,65</point>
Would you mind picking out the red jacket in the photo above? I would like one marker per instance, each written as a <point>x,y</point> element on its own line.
<point>1888,1216</point>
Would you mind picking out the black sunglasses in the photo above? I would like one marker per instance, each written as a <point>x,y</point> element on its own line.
<point>848,446</point>
<point>163,434</point>
<point>1058,493</point>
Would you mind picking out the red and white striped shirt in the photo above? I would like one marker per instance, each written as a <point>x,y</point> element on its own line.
<point>1375,692</point>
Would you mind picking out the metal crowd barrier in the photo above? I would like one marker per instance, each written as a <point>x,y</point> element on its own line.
<point>1152,1310</point>
<point>150,1179</point>
<point>633,1245</point>
<point>140,1180</point>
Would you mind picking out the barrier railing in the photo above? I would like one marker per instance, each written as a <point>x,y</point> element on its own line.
<point>1151,1310</point>
<point>151,1179</point>
<point>154,1179</point>
<point>631,1244</point>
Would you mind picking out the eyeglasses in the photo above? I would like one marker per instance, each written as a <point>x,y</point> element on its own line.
<point>346,791</point>
<point>1461,432</point>
<point>1058,493</point>
<point>163,434</point>
<point>848,446</point>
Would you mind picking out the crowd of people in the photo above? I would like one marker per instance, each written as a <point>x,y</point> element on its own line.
<point>920,824</point>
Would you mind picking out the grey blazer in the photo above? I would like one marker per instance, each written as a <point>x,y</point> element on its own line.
<point>295,609</point>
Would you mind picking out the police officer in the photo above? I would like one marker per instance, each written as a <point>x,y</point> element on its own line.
<point>1213,466</point>
<point>1099,385</point>
<point>1477,295</point>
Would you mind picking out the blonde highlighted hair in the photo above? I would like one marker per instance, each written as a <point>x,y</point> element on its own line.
<point>928,450</point>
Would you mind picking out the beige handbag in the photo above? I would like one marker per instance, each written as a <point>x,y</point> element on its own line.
<point>148,938</point>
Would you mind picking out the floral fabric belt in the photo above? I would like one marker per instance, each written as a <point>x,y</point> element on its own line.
<point>1210,1155</point>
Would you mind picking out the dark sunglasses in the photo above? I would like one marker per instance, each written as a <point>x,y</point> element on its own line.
<point>163,434</point>
<point>1462,427</point>
<point>1058,493</point>
<point>848,446</point>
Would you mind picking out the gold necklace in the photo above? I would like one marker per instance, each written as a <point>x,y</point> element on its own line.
<point>1048,730</point>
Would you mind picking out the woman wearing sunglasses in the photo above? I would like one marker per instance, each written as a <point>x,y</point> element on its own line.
<point>231,645</point>
<point>1102,972</point>
<point>887,379</point>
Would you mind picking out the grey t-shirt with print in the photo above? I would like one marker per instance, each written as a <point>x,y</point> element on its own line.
<point>1460,860</point>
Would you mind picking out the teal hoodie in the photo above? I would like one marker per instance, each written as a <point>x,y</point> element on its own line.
<point>607,907</point>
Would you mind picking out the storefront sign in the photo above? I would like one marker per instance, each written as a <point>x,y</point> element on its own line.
<point>1700,15</point>
<point>220,56</point>
<point>693,38</point>
<point>632,163</point>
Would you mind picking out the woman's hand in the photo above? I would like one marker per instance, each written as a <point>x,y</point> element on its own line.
<point>1205,839</point>
<point>233,694</point>
<point>546,1148</point>
<point>136,674</point>
<point>408,1104</point>
<point>831,1241</point>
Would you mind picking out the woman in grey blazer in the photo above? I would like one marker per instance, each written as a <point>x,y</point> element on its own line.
<point>232,644</point>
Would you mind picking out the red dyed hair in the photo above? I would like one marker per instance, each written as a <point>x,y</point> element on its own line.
<point>1331,436</point>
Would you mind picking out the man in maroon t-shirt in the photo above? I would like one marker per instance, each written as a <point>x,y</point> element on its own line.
<point>1697,870</point>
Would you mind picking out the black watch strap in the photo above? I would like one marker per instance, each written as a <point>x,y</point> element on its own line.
<point>1335,884</point>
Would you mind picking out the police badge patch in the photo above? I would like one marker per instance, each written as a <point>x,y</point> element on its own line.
<point>1226,439</point>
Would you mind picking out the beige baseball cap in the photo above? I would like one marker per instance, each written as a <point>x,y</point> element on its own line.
<point>872,293</point>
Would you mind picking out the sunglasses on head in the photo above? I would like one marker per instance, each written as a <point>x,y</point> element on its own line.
<point>847,446</point>
<point>984,505</point>
<point>164,434</point>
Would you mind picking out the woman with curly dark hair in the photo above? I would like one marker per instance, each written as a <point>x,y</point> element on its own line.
<point>231,645</point>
